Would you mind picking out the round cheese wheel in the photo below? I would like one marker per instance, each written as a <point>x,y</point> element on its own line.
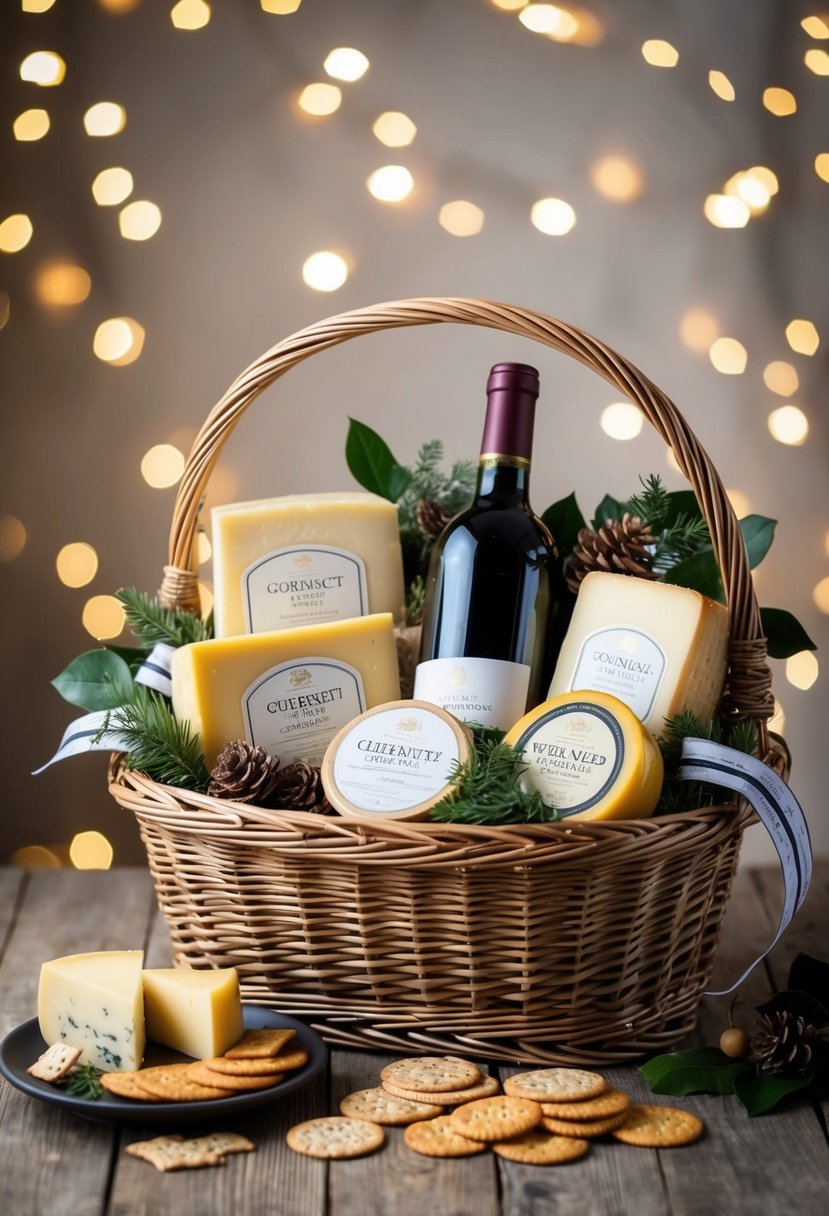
<point>394,761</point>
<point>590,757</point>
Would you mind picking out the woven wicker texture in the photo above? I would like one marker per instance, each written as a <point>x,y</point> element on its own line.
<point>583,943</point>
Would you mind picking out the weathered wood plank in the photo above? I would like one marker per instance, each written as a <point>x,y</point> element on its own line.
<point>396,1181</point>
<point>12,884</point>
<point>53,1163</point>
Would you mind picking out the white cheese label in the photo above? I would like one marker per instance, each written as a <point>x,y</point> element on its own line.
<point>294,710</point>
<point>305,585</point>
<point>628,663</point>
<point>395,760</point>
<point>490,691</point>
<point>575,753</point>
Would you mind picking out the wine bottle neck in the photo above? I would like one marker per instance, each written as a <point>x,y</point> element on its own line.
<point>503,478</point>
<point>506,446</point>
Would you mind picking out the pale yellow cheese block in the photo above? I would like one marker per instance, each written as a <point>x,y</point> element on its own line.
<point>95,1002</point>
<point>289,691</point>
<point>196,1012</point>
<point>304,559</point>
<point>658,648</point>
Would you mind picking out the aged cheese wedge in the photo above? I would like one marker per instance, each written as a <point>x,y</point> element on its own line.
<point>289,691</point>
<point>305,559</point>
<point>196,1012</point>
<point>590,757</point>
<point>95,1002</point>
<point>658,648</point>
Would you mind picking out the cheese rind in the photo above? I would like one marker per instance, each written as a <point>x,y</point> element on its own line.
<point>590,757</point>
<point>196,1012</point>
<point>661,649</point>
<point>305,559</point>
<point>95,1002</point>
<point>289,691</point>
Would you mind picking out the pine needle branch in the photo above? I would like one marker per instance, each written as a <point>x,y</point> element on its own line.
<point>679,795</point>
<point>151,622</point>
<point>157,743</point>
<point>488,791</point>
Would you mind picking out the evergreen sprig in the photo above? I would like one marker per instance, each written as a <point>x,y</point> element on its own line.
<point>84,1082</point>
<point>679,795</point>
<point>676,536</point>
<point>152,623</point>
<point>452,491</point>
<point>157,743</point>
<point>487,789</point>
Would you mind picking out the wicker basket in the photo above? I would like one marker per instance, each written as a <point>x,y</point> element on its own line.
<point>570,942</point>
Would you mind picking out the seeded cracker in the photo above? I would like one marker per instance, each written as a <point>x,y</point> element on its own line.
<point>487,1087</point>
<point>432,1074</point>
<point>125,1085</point>
<point>538,1147</point>
<point>203,1076</point>
<point>586,1128</point>
<point>498,1118</point>
<point>377,1106</point>
<point>244,1068</point>
<point>257,1044</point>
<point>335,1138</point>
<point>556,1085</point>
<point>55,1062</point>
<point>614,1102</point>
<point>172,1083</point>
<point>650,1126</point>
<point>437,1138</point>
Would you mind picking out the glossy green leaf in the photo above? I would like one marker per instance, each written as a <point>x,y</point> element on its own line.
<point>758,533</point>
<point>699,572</point>
<point>132,656</point>
<point>565,521</point>
<point>784,633</point>
<point>700,1057</point>
<point>706,1070</point>
<point>762,1093</point>
<point>608,508</point>
<point>681,502</point>
<point>98,679</point>
<point>372,464</point>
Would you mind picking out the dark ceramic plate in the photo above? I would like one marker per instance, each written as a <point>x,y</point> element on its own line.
<point>22,1047</point>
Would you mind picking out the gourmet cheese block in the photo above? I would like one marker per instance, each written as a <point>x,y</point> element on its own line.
<point>196,1012</point>
<point>305,559</point>
<point>590,757</point>
<point>95,1002</point>
<point>289,691</point>
<point>658,648</point>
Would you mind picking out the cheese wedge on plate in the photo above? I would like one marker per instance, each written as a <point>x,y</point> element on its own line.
<point>196,1012</point>
<point>95,1002</point>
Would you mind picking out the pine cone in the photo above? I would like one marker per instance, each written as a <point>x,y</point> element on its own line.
<point>621,546</point>
<point>243,773</point>
<point>299,788</point>
<point>431,517</point>
<point>783,1042</point>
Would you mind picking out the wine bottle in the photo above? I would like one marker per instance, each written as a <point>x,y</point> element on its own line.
<point>495,576</point>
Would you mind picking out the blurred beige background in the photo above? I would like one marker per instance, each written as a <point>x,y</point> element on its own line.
<point>249,186</point>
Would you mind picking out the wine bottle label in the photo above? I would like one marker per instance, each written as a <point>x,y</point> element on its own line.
<point>497,460</point>
<point>490,691</point>
<point>395,760</point>
<point>628,663</point>
<point>294,710</point>
<point>303,586</point>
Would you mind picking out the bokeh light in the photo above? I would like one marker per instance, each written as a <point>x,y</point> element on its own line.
<point>698,328</point>
<point>325,270</point>
<point>510,6</point>
<point>788,425</point>
<point>105,118</point>
<point>779,102</point>
<point>820,595</point>
<point>205,600</point>
<point>660,54</point>
<point>752,188</point>
<point>822,166</point>
<point>36,6</point>
<point>739,502</point>
<point>190,14</point>
<point>15,233</point>
<point>802,336</point>
<point>118,341</point>
<point>816,27</point>
<point>35,857</point>
<point>112,186</point>
<point>777,722</point>
<point>282,8</point>
<point>394,129</point>
<point>622,420</point>
<point>320,99</point>
<point>391,184</point>
<point>90,851</point>
<point>722,86</point>
<point>728,356</point>
<point>77,564</point>
<point>781,378</point>
<point>461,218</point>
<point>61,284</point>
<point>162,466</point>
<point>13,538</point>
<point>765,176</point>
<point>139,221</point>
<point>549,19</point>
<point>552,216</point>
<point>726,211</point>
<point>204,549</point>
<point>802,670</point>
<point>5,308</point>
<point>346,63</point>
<point>31,125</point>
<point>103,617</point>
<point>817,61</point>
<point>618,178</point>
<point>119,7</point>
<point>45,68</point>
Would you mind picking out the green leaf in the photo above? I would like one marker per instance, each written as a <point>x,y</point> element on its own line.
<point>801,1004</point>
<point>699,572</point>
<point>762,1093</point>
<point>808,974</point>
<point>758,533</point>
<point>372,464</point>
<point>679,504</point>
<point>706,1070</point>
<point>608,508</point>
<point>784,633</point>
<point>98,679</point>
<point>132,656</point>
<point>565,521</point>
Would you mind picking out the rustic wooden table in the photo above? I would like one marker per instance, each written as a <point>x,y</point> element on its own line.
<point>52,1162</point>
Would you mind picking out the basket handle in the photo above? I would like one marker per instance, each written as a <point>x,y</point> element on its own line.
<point>749,692</point>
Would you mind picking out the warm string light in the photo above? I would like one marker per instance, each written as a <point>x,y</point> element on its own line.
<point>390,184</point>
<point>781,378</point>
<point>36,6</point>
<point>820,595</point>
<point>722,86</point>
<point>139,221</point>
<point>802,336</point>
<point>728,356</point>
<point>822,166</point>
<point>802,670</point>
<point>13,538</point>
<point>44,68</point>
<point>394,129</point>
<point>461,218</point>
<point>617,178</point>
<point>104,119</point>
<point>103,617</point>
<point>190,14</point>
<point>112,186</point>
<point>788,425</point>
<point>118,341</point>
<point>346,63</point>
<point>726,211</point>
<point>660,54</point>
<point>61,284</point>
<point>31,125</point>
<point>817,61</point>
<point>5,308</point>
<point>552,216</point>
<point>90,851</point>
<point>698,329</point>
<point>15,233</point>
<point>281,8</point>
<point>816,27</point>
<point>77,564</point>
<point>622,420</point>
<point>162,466</point>
<point>779,102</point>
<point>739,502</point>
<point>320,99</point>
<point>325,270</point>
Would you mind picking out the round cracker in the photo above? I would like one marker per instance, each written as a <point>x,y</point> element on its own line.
<point>538,1147</point>
<point>588,1128</point>
<point>228,1085</point>
<point>437,1138</point>
<point>432,1074</point>
<point>555,1085</point>
<point>611,1103</point>
<point>649,1126</point>
<point>487,1087</point>
<point>335,1138</point>
<point>242,1068</point>
<point>378,1106</point>
<point>500,1118</point>
<point>125,1085</point>
<point>173,1083</point>
<point>285,1061</point>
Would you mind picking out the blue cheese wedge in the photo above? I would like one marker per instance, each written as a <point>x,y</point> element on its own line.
<point>95,1002</point>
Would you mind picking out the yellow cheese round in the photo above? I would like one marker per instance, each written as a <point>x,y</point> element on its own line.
<point>590,757</point>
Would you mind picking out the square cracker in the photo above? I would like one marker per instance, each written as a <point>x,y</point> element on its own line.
<point>259,1044</point>
<point>55,1062</point>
